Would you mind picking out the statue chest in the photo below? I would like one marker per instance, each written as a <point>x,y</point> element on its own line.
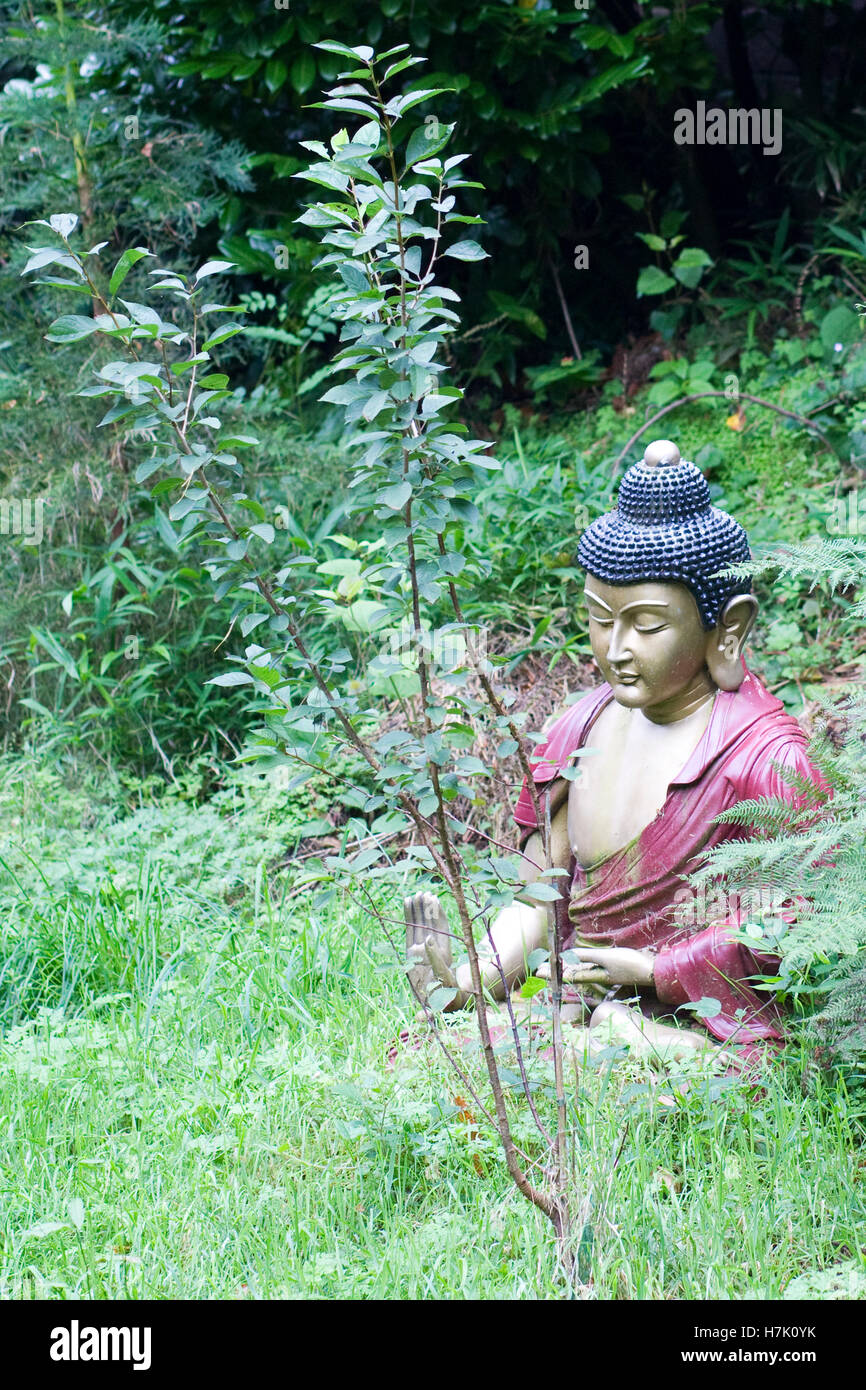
<point>624,782</point>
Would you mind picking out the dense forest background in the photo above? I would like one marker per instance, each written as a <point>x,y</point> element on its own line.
<point>713,293</point>
<point>179,130</point>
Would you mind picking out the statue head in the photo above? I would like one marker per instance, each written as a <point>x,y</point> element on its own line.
<point>661,614</point>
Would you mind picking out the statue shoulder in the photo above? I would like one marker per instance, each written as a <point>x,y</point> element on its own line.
<point>575,715</point>
<point>778,750</point>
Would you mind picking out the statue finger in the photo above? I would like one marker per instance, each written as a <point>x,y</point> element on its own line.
<point>575,974</point>
<point>585,975</point>
<point>594,955</point>
<point>437,924</point>
<point>441,967</point>
<point>416,923</point>
<point>409,919</point>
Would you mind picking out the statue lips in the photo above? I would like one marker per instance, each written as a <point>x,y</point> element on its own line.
<point>626,677</point>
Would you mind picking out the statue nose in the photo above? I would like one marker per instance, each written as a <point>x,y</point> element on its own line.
<point>619,650</point>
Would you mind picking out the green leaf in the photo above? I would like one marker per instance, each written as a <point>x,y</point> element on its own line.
<point>148,467</point>
<point>43,1228</point>
<point>118,412</point>
<point>435,402</point>
<point>65,285</point>
<point>377,402</point>
<point>165,529</point>
<point>471,766</point>
<point>398,106</point>
<point>276,73</point>
<point>70,328</point>
<point>266,674</point>
<point>361,108</point>
<point>611,77</point>
<point>346,393</point>
<point>251,621</point>
<point>340,567</point>
<point>426,141</point>
<point>654,281</point>
<point>705,1007</point>
<point>64,223</point>
<point>655,243</point>
<point>124,266</point>
<point>141,313</point>
<point>465,251</point>
<point>403,64</point>
<point>213,268</point>
<point>326,175</point>
<point>439,998</point>
<point>238,441</point>
<point>542,892</point>
<point>228,330</point>
<point>55,650</point>
<point>344,51</point>
<point>364,615</point>
<point>504,304</point>
<point>532,987</point>
<point>189,503</point>
<point>664,391</point>
<point>303,72</point>
<point>354,277</point>
<point>395,497</point>
<point>231,678</point>
<point>178,368</point>
<point>840,325</point>
<point>48,255</point>
<point>690,266</point>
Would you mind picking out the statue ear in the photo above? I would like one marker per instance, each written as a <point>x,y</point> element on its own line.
<point>726,642</point>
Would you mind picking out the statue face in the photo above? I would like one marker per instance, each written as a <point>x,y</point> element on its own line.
<point>647,638</point>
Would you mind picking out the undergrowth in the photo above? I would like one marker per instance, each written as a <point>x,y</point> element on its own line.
<point>197,1102</point>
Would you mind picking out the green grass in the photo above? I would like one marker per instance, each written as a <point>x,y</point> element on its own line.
<point>196,1103</point>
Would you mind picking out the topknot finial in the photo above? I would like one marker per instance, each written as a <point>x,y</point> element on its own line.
<point>664,528</point>
<point>661,454</point>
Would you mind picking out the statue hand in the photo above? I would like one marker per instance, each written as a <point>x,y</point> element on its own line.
<point>605,965</point>
<point>619,965</point>
<point>428,945</point>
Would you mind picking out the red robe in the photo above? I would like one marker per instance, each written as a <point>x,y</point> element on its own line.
<point>630,898</point>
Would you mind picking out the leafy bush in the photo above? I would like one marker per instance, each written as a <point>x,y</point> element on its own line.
<point>812,854</point>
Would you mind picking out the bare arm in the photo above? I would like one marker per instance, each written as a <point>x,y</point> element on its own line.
<point>521,928</point>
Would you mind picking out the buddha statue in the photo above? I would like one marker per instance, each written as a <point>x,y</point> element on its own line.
<point>680,731</point>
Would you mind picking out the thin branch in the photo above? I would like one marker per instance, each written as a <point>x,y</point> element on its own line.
<point>572,337</point>
<point>518,1046</point>
<point>560,1148</point>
